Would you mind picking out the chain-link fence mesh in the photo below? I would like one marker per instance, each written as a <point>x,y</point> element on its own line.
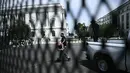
<point>29,35</point>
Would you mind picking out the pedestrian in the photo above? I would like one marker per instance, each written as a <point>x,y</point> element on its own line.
<point>62,47</point>
<point>95,29</point>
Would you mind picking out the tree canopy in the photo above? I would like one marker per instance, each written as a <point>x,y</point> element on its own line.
<point>19,31</point>
<point>108,30</point>
<point>81,30</point>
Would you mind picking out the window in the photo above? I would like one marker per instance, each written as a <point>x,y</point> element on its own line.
<point>30,15</point>
<point>122,11</point>
<point>127,32</point>
<point>33,33</point>
<point>53,33</point>
<point>37,16</point>
<point>122,19</point>
<point>127,20</point>
<point>43,33</point>
<point>110,17</point>
<point>127,7</point>
<point>43,18</point>
<point>52,22</point>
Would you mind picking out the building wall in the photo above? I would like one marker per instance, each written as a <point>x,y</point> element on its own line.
<point>37,16</point>
<point>51,19</point>
<point>125,12</point>
<point>107,19</point>
<point>122,11</point>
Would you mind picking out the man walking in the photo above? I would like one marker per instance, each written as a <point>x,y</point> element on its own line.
<point>63,54</point>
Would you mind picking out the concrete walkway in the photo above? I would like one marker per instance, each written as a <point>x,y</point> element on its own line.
<point>52,42</point>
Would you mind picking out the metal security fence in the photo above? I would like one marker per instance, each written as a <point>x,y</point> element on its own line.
<point>26,30</point>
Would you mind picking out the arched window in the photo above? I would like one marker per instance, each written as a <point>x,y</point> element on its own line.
<point>52,22</point>
<point>33,33</point>
<point>53,33</point>
<point>43,33</point>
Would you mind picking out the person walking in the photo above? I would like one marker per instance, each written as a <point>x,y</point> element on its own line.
<point>63,48</point>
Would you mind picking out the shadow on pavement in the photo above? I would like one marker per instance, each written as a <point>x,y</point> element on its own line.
<point>59,61</point>
<point>89,64</point>
<point>92,65</point>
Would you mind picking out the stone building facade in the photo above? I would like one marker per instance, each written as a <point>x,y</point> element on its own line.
<point>119,16</point>
<point>51,16</point>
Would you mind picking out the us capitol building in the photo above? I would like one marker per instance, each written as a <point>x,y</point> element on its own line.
<point>51,16</point>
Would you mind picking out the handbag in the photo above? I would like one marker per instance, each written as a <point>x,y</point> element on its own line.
<point>60,46</point>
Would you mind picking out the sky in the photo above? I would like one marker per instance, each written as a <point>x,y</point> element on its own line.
<point>75,8</point>
<point>92,5</point>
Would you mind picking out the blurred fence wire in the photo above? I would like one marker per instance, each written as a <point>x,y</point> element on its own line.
<point>26,30</point>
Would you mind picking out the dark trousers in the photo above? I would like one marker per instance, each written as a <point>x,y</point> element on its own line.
<point>63,54</point>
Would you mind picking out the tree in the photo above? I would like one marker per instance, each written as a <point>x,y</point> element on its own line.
<point>19,32</point>
<point>108,30</point>
<point>102,29</point>
<point>81,31</point>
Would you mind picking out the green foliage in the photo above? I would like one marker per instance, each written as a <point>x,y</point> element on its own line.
<point>108,30</point>
<point>19,31</point>
<point>102,28</point>
<point>81,30</point>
